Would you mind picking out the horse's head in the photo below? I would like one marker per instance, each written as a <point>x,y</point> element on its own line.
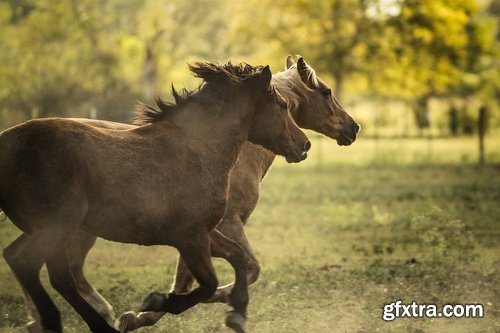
<point>274,127</point>
<point>316,107</point>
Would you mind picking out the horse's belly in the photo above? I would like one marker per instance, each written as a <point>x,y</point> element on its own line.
<point>146,225</point>
<point>135,230</point>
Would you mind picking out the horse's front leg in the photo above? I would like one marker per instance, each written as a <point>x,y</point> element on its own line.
<point>183,280</point>
<point>197,260</point>
<point>232,228</point>
<point>196,255</point>
<point>225,248</point>
<point>131,320</point>
<point>182,285</point>
<point>237,295</point>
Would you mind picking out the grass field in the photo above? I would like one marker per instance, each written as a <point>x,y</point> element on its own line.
<point>338,236</point>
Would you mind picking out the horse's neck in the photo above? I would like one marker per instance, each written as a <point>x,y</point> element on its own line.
<point>267,159</point>
<point>256,159</point>
<point>218,133</point>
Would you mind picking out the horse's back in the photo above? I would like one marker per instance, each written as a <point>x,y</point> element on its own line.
<point>104,124</point>
<point>42,145</point>
<point>64,170</point>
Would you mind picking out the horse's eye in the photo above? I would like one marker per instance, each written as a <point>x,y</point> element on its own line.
<point>283,104</point>
<point>327,93</point>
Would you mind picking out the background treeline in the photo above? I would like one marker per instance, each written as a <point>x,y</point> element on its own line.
<point>400,66</point>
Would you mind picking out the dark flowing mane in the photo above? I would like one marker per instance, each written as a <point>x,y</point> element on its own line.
<point>147,114</point>
<point>212,74</point>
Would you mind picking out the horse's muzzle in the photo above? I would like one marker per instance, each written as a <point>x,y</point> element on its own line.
<point>298,154</point>
<point>349,134</point>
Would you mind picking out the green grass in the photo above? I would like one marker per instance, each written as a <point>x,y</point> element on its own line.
<point>337,236</point>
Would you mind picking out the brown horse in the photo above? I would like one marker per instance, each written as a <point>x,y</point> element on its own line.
<point>164,183</point>
<point>313,107</point>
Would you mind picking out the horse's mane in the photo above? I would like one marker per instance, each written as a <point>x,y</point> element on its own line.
<point>210,73</point>
<point>291,86</point>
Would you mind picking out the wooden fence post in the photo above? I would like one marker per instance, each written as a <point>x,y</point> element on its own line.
<point>482,124</point>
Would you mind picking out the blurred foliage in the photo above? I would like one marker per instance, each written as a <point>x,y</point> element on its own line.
<point>444,238</point>
<point>68,58</point>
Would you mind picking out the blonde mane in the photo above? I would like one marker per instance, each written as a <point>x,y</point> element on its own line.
<point>289,84</point>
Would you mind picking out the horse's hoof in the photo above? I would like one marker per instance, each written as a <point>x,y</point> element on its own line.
<point>236,321</point>
<point>153,302</point>
<point>127,322</point>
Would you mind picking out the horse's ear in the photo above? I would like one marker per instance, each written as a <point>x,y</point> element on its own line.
<point>304,71</point>
<point>266,75</point>
<point>289,62</point>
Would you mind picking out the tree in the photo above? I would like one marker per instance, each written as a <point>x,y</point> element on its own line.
<point>67,58</point>
<point>54,61</point>
<point>439,46</point>
<point>334,35</point>
<point>172,34</point>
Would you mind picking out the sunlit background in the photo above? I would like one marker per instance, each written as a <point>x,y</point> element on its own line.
<point>402,68</point>
<point>409,211</point>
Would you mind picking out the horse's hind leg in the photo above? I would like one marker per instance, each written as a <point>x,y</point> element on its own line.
<point>25,256</point>
<point>34,322</point>
<point>78,248</point>
<point>63,281</point>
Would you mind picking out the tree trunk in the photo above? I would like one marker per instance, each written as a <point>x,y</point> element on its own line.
<point>338,88</point>
<point>149,74</point>
<point>482,126</point>
<point>421,110</point>
<point>149,69</point>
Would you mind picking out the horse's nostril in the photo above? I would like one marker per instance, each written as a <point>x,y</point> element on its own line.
<point>356,128</point>
<point>307,146</point>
